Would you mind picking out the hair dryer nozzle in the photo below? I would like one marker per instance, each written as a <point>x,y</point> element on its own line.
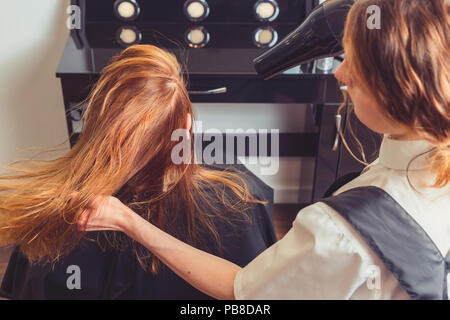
<point>319,36</point>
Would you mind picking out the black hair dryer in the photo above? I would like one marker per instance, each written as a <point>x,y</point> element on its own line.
<point>319,36</point>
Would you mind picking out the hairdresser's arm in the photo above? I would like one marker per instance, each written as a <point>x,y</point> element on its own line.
<point>206,272</point>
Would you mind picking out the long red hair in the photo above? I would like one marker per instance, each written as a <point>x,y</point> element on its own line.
<point>139,100</point>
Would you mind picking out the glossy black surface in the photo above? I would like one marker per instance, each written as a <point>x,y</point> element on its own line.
<point>335,12</point>
<point>207,61</point>
<point>326,158</point>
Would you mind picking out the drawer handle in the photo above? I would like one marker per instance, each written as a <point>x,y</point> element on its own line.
<point>212,91</point>
<point>338,129</point>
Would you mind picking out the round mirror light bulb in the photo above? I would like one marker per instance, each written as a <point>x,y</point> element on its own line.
<point>196,36</point>
<point>265,10</point>
<point>195,10</point>
<point>128,35</point>
<point>265,36</point>
<point>126,10</point>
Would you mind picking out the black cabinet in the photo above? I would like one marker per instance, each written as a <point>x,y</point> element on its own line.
<point>365,148</point>
<point>333,159</point>
<point>327,158</point>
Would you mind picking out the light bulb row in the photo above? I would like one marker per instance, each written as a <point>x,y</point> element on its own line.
<point>197,10</point>
<point>198,36</point>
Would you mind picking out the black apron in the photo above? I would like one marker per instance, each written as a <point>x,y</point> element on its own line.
<point>114,274</point>
<point>395,237</point>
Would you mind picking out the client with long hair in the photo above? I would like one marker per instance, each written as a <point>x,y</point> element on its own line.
<point>125,150</point>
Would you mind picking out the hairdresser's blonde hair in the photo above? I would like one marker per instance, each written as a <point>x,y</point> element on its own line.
<point>406,67</point>
<point>139,100</point>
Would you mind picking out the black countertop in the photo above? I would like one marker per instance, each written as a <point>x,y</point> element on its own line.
<point>205,61</point>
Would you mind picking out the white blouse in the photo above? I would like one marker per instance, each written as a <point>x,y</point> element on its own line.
<point>323,257</point>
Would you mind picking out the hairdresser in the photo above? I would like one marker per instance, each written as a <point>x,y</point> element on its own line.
<point>384,235</point>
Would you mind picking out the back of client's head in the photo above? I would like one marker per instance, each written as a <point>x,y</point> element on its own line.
<point>138,102</point>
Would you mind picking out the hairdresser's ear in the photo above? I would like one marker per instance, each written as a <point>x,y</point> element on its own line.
<point>188,122</point>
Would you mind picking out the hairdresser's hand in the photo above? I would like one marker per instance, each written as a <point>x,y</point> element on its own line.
<point>103,213</point>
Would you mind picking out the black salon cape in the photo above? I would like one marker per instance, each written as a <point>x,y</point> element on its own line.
<point>117,275</point>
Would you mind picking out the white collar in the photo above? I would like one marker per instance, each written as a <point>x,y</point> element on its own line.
<point>397,154</point>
